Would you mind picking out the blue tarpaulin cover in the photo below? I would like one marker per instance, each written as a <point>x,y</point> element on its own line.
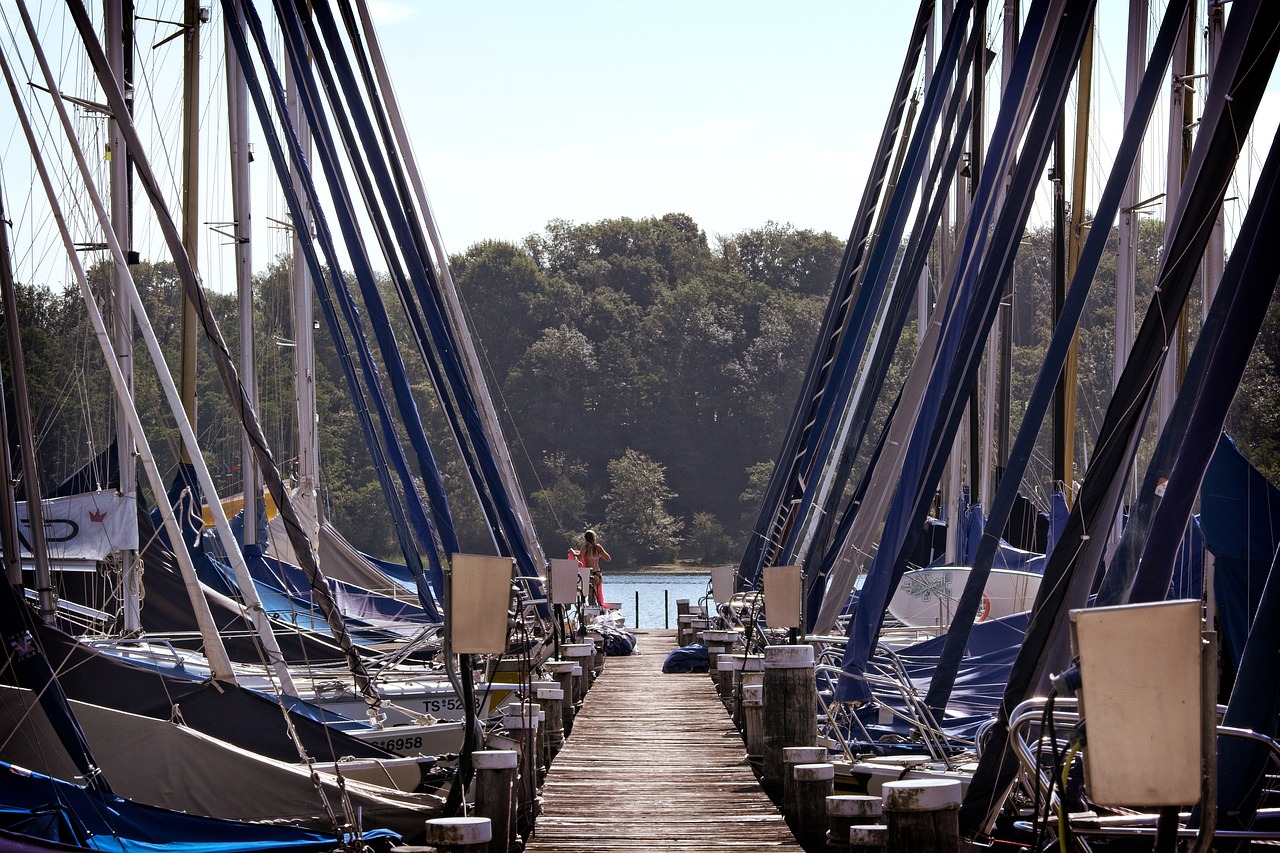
<point>104,822</point>
<point>691,658</point>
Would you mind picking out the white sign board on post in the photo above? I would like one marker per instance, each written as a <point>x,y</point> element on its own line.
<point>479,596</point>
<point>564,581</point>
<point>782,596</point>
<point>722,583</point>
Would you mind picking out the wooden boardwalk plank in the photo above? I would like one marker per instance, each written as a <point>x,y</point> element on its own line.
<point>654,763</point>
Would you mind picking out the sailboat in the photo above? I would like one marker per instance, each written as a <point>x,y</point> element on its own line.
<point>923,695</point>
<point>181,674</point>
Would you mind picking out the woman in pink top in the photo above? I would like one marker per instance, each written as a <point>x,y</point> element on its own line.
<point>591,555</point>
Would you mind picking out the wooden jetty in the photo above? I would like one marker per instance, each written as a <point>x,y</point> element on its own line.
<point>654,764</point>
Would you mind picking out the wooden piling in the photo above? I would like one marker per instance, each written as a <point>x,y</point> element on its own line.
<point>495,793</point>
<point>791,757</point>
<point>459,834</point>
<point>581,654</point>
<point>524,729</point>
<point>868,838</point>
<point>753,721</point>
<point>812,784</point>
<point>552,701</point>
<point>849,810</point>
<point>923,816</point>
<point>562,672</point>
<point>790,706</point>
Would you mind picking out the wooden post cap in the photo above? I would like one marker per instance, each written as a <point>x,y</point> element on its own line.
<point>814,772</point>
<point>520,722</point>
<point>550,694</point>
<point>868,835</point>
<point>753,694</point>
<point>725,663</point>
<point>803,754</point>
<point>577,670</point>
<point>788,657</point>
<point>559,667</point>
<point>922,795</point>
<point>494,759</point>
<point>854,805</point>
<point>578,650</point>
<point>459,830</point>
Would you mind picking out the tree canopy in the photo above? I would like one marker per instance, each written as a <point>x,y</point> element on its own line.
<point>643,373</point>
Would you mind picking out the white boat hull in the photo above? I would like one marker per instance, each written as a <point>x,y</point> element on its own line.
<point>927,598</point>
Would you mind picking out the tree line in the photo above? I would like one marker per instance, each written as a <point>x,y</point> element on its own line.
<point>644,376</point>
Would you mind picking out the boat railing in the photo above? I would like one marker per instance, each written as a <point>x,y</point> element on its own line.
<point>842,716</point>
<point>1028,740</point>
<point>887,676</point>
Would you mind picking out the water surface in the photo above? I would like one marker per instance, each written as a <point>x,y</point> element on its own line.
<point>656,590</point>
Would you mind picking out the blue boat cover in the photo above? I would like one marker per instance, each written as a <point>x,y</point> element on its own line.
<point>691,658</point>
<point>1240,516</point>
<point>73,815</point>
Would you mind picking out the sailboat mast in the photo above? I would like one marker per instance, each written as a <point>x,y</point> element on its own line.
<point>1075,241</point>
<point>238,130</point>
<point>118,30</point>
<point>26,435</point>
<point>1181,118</point>
<point>1058,268</point>
<point>190,198</point>
<point>1215,254</point>
<point>304,325</point>
<point>1004,328</point>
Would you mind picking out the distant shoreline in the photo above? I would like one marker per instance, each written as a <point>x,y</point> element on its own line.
<point>657,570</point>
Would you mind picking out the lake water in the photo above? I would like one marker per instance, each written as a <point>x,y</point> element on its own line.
<point>653,591</point>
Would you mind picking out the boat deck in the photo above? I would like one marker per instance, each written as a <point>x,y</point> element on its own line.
<point>654,763</point>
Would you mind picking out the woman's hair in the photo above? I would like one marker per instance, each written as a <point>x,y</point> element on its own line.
<point>590,537</point>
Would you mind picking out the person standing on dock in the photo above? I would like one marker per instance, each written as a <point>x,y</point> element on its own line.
<point>592,553</point>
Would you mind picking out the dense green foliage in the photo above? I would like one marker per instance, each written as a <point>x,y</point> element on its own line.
<point>644,378</point>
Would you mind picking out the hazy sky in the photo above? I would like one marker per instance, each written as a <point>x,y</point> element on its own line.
<point>735,113</point>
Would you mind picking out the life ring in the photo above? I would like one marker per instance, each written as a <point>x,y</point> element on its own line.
<point>986,609</point>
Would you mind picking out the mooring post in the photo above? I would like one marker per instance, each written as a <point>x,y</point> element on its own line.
<point>868,838</point>
<point>812,784</point>
<point>544,729</point>
<point>923,816</point>
<point>495,793</point>
<point>552,701</point>
<point>581,654</point>
<point>719,644</point>
<point>845,811</point>
<point>562,672</point>
<point>666,609</point>
<point>459,834</point>
<point>523,728</point>
<point>683,617</point>
<point>597,659</point>
<point>790,706</point>
<point>792,756</point>
<point>753,721</point>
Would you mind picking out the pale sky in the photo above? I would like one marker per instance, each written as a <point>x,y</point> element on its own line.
<point>735,113</point>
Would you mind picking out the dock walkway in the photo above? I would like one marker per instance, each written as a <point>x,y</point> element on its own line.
<point>655,764</point>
